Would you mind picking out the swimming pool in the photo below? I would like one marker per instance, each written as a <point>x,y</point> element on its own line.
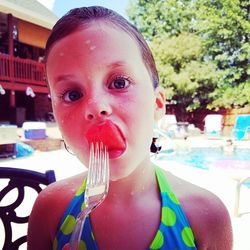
<point>204,158</point>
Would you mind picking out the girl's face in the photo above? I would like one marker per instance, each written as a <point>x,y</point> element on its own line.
<point>97,74</point>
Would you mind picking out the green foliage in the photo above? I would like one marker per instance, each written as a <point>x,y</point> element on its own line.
<point>237,97</point>
<point>201,47</point>
<point>157,17</point>
<point>185,77</point>
<point>225,37</point>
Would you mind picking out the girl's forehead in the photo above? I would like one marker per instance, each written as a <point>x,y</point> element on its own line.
<point>99,32</point>
<point>98,39</point>
<point>97,48</point>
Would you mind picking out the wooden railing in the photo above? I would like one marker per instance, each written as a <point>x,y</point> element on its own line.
<point>18,70</point>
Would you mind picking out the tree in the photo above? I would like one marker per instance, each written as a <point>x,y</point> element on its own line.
<point>186,78</point>
<point>223,27</point>
<point>157,17</point>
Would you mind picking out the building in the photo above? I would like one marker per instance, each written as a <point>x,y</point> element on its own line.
<point>24,28</point>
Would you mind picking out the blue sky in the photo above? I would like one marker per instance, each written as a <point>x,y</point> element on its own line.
<point>61,6</point>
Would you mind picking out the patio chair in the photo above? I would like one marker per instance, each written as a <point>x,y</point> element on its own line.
<point>239,185</point>
<point>213,126</point>
<point>242,127</point>
<point>168,124</point>
<point>20,184</point>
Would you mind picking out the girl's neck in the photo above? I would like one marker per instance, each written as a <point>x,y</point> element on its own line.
<point>141,180</point>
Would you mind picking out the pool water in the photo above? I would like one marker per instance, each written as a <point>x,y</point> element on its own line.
<point>203,158</point>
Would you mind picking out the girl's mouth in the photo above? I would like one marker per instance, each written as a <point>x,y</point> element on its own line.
<point>110,135</point>
<point>115,153</point>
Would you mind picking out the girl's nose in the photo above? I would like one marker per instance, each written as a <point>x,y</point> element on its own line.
<point>98,108</point>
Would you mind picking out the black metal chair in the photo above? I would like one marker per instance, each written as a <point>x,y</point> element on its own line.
<point>20,180</point>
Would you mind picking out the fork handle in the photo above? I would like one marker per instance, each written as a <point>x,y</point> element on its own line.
<point>77,232</point>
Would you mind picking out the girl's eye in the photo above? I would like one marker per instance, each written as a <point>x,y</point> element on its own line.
<point>119,83</point>
<point>72,96</point>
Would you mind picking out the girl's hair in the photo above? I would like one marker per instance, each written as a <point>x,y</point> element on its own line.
<point>79,18</point>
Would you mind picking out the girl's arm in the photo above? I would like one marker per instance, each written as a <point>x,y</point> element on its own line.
<point>47,212</point>
<point>40,223</point>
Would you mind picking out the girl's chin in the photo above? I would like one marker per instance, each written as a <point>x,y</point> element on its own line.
<point>114,177</point>
<point>119,175</point>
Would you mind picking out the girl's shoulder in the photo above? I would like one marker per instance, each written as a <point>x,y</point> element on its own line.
<point>207,214</point>
<point>50,206</point>
<point>60,192</point>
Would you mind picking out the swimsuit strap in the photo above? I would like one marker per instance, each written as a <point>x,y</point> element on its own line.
<point>68,221</point>
<point>174,231</point>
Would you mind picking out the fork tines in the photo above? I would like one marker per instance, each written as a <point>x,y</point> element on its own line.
<point>98,172</point>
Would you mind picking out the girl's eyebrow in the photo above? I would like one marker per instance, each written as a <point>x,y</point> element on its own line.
<point>63,77</point>
<point>117,64</point>
<point>66,77</point>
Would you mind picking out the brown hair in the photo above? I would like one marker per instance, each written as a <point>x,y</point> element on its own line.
<point>80,17</point>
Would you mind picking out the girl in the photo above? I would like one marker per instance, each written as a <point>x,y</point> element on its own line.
<point>100,70</point>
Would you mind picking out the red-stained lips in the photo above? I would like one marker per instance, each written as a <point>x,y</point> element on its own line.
<point>108,133</point>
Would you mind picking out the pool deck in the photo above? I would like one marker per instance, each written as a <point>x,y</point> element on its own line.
<point>221,183</point>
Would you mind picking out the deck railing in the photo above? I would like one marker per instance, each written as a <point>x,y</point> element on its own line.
<point>18,70</point>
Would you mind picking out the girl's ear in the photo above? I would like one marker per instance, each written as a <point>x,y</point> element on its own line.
<point>160,108</point>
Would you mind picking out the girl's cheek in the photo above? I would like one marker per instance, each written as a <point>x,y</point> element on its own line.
<point>60,117</point>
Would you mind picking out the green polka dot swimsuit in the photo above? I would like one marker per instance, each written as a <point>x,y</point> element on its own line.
<point>174,232</point>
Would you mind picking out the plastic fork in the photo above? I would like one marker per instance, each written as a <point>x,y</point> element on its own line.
<point>96,188</point>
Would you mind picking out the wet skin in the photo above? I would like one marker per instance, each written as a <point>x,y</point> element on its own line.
<point>97,74</point>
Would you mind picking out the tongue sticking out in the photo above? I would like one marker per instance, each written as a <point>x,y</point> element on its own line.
<point>108,133</point>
